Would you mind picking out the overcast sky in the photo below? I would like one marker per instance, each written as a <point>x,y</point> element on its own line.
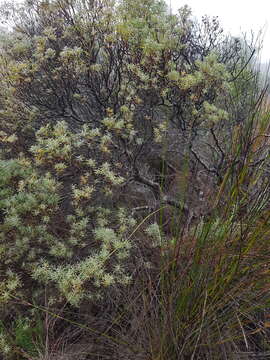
<point>235,16</point>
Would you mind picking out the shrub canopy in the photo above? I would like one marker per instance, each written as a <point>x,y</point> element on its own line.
<point>100,99</point>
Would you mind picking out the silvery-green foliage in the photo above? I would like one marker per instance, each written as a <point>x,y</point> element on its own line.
<point>52,243</point>
<point>87,91</point>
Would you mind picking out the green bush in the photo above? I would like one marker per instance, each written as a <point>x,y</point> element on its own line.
<point>109,114</point>
<point>51,229</point>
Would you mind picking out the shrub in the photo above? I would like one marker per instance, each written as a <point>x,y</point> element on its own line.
<point>52,230</point>
<point>105,102</point>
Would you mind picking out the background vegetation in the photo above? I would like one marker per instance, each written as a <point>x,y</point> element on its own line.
<point>134,185</point>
